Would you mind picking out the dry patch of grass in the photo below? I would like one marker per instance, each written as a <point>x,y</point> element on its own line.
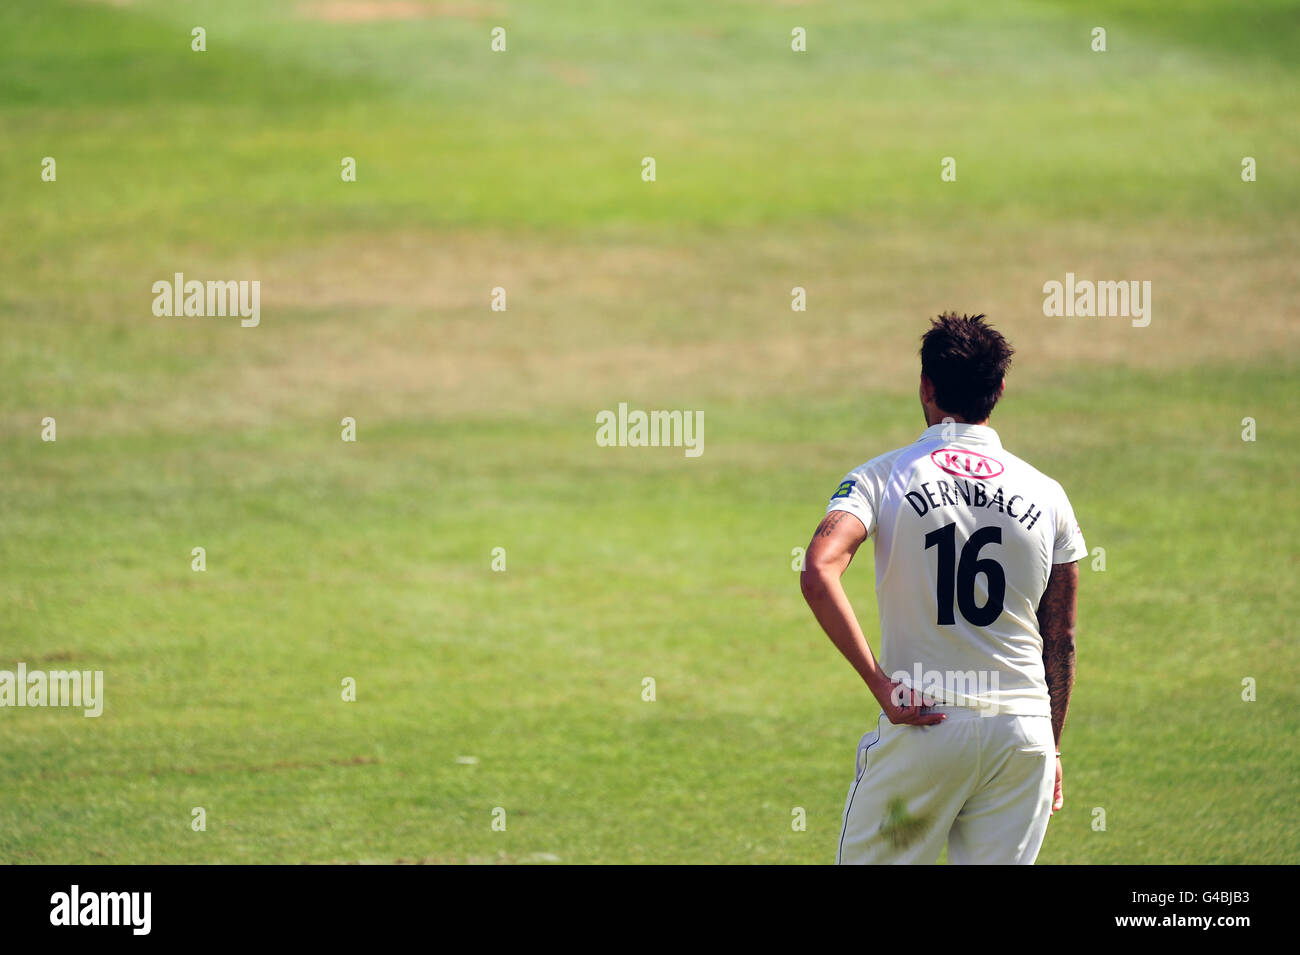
<point>400,326</point>
<point>365,11</point>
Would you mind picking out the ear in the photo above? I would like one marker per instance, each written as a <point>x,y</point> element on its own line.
<point>927,389</point>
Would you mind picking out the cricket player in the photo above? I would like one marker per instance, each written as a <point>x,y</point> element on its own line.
<point>976,569</point>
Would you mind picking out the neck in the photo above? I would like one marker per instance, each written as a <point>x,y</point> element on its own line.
<point>937,417</point>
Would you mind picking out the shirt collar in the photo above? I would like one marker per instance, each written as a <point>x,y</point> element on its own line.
<point>962,433</point>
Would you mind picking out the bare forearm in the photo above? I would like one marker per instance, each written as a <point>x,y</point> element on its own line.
<point>1058,662</point>
<point>830,605</point>
<point>829,554</point>
<point>1056,618</point>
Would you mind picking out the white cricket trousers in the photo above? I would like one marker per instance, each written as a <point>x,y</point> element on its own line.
<point>983,783</point>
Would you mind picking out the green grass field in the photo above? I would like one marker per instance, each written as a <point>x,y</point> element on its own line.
<point>372,560</point>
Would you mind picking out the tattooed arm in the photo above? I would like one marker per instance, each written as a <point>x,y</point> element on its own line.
<point>1056,623</point>
<point>1056,613</point>
<point>832,548</point>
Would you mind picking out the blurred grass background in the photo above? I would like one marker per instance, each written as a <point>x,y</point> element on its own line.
<point>522,170</point>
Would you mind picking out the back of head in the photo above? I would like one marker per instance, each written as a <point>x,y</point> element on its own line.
<point>966,360</point>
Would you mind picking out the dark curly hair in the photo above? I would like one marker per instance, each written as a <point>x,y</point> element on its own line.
<point>965,359</point>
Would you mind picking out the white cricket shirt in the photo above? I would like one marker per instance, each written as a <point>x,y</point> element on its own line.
<point>965,536</point>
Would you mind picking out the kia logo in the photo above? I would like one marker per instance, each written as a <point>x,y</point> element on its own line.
<point>968,464</point>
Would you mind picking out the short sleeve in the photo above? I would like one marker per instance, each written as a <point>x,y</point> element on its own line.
<point>1069,545</point>
<point>855,495</point>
